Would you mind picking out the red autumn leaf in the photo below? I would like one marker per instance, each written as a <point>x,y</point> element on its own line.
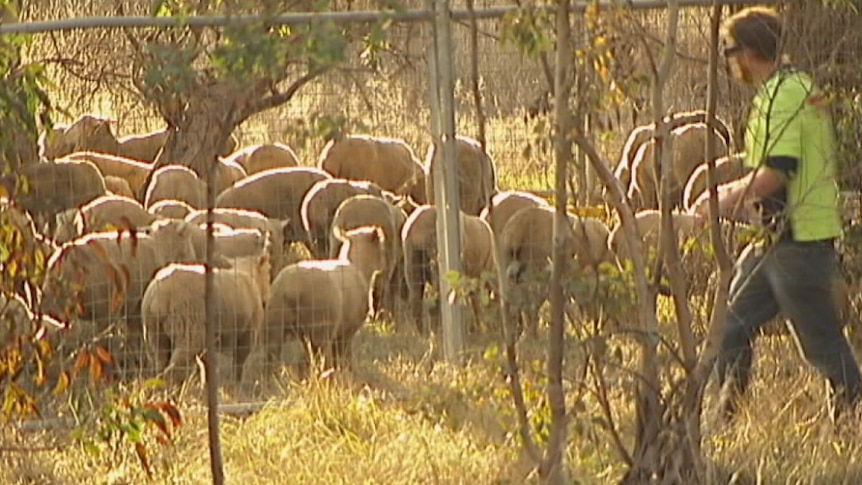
<point>81,362</point>
<point>144,458</point>
<point>104,355</point>
<point>172,412</point>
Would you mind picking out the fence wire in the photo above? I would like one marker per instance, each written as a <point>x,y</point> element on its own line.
<point>143,293</point>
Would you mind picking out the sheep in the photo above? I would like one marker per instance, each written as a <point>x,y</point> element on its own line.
<point>368,210</point>
<point>245,219</point>
<point>173,312</point>
<point>51,142</point>
<point>59,185</point>
<point>257,158</point>
<point>319,206</point>
<point>108,212</point>
<point>102,276</point>
<point>143,146</point>
<point>526,245</point>
<point>592,236</point>
<point>388,162</point>
<point>726,169</point>
<point>505,204</point>
<point>419,245</point>
<point>171,209</point>
<point>696,262</point>
<point>89,132</point>
<point>93,133</point>
<point>277,194</point>
<point>228,242</point>
<point>176,182</point>
<point>648,226</point>
<point>686,144</point>
<point>229,173</point>
<point>477,178</point>
<point>644,133</point>
<point>118,186</point>
<point>325,302</point>
<point>133,171</point>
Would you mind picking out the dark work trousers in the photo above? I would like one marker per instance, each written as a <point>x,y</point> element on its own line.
<point>794,279</point>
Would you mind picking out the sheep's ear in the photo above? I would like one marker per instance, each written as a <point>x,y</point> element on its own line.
<point>378,235</point>
<point>338,233</point>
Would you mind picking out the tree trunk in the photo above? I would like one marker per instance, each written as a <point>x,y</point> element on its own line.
<point>200,129</point>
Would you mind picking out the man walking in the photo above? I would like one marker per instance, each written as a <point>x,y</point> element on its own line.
<point>790,144</point>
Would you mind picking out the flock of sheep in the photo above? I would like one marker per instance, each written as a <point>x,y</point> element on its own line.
<point>127,245</point>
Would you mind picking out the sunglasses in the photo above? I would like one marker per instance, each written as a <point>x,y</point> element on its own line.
<point>729,51</point>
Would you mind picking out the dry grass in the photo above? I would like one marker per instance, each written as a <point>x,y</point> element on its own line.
<point>402,417</point>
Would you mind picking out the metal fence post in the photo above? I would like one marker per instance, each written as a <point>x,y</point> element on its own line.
<point>446,192</point>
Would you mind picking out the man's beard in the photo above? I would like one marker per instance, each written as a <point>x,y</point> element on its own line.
<point>740,72</point>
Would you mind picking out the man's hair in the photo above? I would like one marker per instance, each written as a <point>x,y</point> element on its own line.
<point>757,29</point>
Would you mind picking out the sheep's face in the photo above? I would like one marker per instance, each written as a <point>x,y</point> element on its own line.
<point>174,238</point>
<point>53,143</point>
<point>365,247</point>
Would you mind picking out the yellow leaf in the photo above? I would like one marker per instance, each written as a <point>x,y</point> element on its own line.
<point>62,383</point>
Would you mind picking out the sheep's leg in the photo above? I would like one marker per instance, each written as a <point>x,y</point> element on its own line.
<point>157,347</point>
<point>189,345</point>
<point>476,307</point>
<point>530,316</point>
<point>415,303</point>
<point>182,360</point>
<point>241,341</point>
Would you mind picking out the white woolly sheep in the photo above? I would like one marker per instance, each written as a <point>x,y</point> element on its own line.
<point>59,185</point>
<point>726,169</point>
<point>644,133</point>
<point>325,302</point>
<point>686,145</point>
<point>319,206</point>
<point>105,213</point>
<point>174,313</point>
<point>419,245</point>
<point>119,187</point>
<point>229,173</point>
<point>526,245</point>
<point>132,171</point>
<point>505,204</point>
<point>102,276</point>
<point>372,211</point>
<point>388,162</point>
<point>176,182</point>
<point>171,209</point>
<point>89,132</point>
<point>477,175</point>
<point>277,194</point>
<point>246,219</point>
<point>143,146</point>
<point>257,158</point>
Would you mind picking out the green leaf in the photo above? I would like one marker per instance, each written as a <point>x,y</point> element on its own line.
<point>160,8</point>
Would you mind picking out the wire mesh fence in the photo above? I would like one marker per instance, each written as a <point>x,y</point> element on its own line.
<point>298,250</point>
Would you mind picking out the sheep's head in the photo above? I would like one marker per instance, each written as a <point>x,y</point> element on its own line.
<point>366,247</point>
<point>53,143</point>
<point>174,240</point>
<point>91,133</point>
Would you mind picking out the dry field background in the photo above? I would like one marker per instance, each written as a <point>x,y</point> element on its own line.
<point>402,415</point>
